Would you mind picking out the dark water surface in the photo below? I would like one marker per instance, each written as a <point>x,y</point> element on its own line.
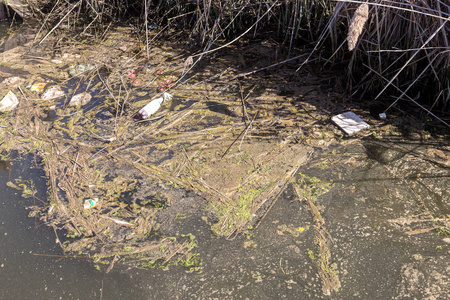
<point>375,258</point>
<point>33,264</point>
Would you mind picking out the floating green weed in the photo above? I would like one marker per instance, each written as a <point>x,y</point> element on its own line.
<point>443,230</point>
<point>230,216</point>
<point>26,186</point>
<point>323,165</point>
<point>193,262</point>
<point>311,254</point>
<point>312,187</point>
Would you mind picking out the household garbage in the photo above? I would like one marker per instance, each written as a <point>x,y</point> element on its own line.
<point>349,122</point>
<point>52,93</point>
<point>80,99</point>
<point>38,86</point>
<point>164,85</point>
<point>9,102</point>
<point>89,203</point>
<point>80,69</point>
<point>120,222</point>
<point>13,82</point>
<point>131,74</point>
<point>153,106</point>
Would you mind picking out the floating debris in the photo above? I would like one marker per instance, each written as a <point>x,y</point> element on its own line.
<point>349,122</point>
<point>104,139</point>
<point>90,203</point>
<point>80,99</point>
<point>9,102</point>
<point>13,82</point>
<point>21,7</point>
<point>52,93</point>
<point>80,69</point>
<point>38,86</point>
<point>164,85</point>
<point>51,209</point>
<point>120,222</point>
<point>153,106</point>
<point>131,74</point>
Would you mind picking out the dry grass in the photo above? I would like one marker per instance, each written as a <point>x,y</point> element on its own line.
<point>403,50</point>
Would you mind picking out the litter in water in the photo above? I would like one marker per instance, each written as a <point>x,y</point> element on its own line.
<point>38,86</point>
<point>13,82</point>
<point>120,222</point>
<point>9,102</point>
<point>80,99</point>
<point>52,93</point>
<point>349,122</point>
<point>80,69</point>
<point>90,203</point>
<point>153,106</point>
<point>131,74</point>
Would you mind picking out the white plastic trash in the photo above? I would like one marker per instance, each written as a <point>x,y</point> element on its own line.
<point>153,106</point>
<point>349,122</point>
<point>9,102</point>
<point>80,99</point>
<point>90,203</point>
<point>52,93</point>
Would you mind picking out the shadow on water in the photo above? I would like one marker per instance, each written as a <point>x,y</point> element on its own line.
<point>410,163</point>
<point>12,37</point>
<point>220,108</point>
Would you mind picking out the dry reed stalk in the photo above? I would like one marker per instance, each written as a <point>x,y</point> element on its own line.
<point>357,24</point>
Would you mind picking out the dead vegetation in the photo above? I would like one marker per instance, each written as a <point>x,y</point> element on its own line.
<point>308,189</point>
<point>231,143</point>
<point>117,186</point>
<point>403,50</point>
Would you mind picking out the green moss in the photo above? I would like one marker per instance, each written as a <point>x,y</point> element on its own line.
<point>26,186</point>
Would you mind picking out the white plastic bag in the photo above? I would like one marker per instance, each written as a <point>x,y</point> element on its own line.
<point>9,102</point>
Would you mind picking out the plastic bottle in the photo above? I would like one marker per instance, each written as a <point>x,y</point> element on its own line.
<point>153,106</point>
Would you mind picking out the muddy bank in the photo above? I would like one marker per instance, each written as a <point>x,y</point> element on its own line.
<point>241,181</point>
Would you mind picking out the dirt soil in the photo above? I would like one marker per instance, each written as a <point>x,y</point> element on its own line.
<point>241,179</point>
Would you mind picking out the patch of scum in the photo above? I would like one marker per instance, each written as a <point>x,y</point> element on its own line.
<point>203,160</point>
<point>81,165</point>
